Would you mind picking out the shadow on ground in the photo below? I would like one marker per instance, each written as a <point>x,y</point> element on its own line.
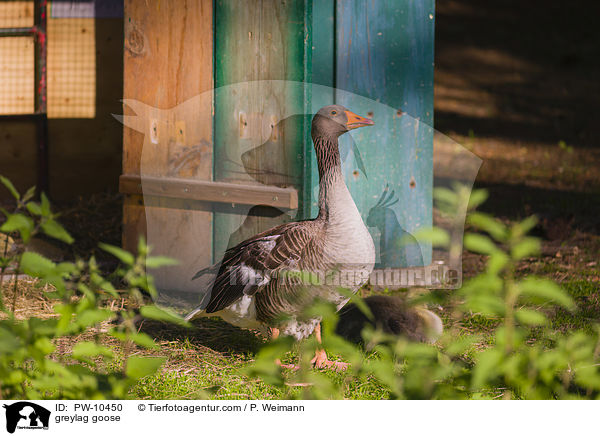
<point>525,71</point>
<point>209,333</point>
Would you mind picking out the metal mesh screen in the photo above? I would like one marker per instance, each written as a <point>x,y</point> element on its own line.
<point>17,75</point>
<point>68,68</point>
<point>71,67</point>
<point>16,14</point>
<point>17,68</point>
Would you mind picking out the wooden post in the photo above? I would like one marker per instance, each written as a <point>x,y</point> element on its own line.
<point>168,80</point>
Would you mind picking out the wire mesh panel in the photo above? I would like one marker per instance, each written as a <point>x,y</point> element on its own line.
<point>71,67</point>
<point>71,59</point>
<point>17,73</point>
<point>17,58</point>
<point>16,14</point>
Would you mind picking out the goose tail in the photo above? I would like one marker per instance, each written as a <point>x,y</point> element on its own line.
<point>206,279</point>
<point>433,324</point>
<point>197,312</point>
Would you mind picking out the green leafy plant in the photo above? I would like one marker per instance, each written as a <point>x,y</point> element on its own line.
<point>526,360</point>
<point>32,363</point>
<point>520,357</point>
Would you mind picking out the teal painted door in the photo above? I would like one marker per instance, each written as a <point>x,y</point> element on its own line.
<point>384,51</point>
<point>374,57</point>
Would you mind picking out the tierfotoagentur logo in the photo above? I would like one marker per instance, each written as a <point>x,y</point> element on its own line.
<point>26,415</point>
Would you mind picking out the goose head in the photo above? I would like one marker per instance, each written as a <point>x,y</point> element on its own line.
<point>335,120</point>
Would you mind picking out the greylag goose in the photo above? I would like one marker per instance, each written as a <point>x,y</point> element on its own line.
<point>392,316</point>
<point>258,285</point>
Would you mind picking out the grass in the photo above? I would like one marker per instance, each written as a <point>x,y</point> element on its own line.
<point>208,360</point>
<point>196,371</point>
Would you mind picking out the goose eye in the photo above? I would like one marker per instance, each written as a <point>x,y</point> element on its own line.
<point>333,112</point>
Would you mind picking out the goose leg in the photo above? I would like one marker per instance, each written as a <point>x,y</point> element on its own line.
<point>275,335</point>
<point>320,360</point>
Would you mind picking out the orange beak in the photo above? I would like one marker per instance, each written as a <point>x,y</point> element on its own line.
<point>356,121</point>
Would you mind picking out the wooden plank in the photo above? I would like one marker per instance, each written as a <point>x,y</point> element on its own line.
<point>168,78</point>
<point>215,192</point>
<point>258,41</point>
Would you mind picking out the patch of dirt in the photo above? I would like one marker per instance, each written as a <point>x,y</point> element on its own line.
<point>515,82</point>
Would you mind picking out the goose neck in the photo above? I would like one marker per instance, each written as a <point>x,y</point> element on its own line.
<point>333,193</point>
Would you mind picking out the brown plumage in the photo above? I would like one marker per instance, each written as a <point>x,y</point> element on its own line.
<point>391,315</point>
<point>256,282</point>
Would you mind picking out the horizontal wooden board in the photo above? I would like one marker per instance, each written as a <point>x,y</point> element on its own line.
<point>214,192</point>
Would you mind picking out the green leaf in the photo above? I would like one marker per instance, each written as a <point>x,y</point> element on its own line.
<point>486,368</point>
<point>44,345</point>
<point>19,223</point>
<point>102,283</point>
<point>490,225</point>
<point>528,247</point>
<point>588,377</point>
<point>158,314</point>
<point>445,196</point>
<point>9,342</point>
<point>141,339</point>
<point>481,284</point>
<point>56,231</point>
<point>477,197</point>
<point>45,206</point>
<point>546,290</point>
<point>34,208</point>
<point>37,265</point>
<point>67,268</point>
<point>530,317</point>
<point>461,345</point>
<point>124,256</point>
<point>8,184</point>
<point>518,230</point>
<point>90,349</point>
<point>28,194</point>
<point>91,317</point>
<point>142,249</point>
<point>486,304</point>
<point>479,243</point>
<point>158,261</point>
<point>138,367</point>
<point>497,261</point>
<point>434,235</point>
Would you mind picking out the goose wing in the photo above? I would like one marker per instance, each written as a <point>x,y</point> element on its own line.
<point>249,266</point>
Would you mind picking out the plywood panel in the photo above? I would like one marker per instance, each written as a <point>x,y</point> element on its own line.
<point>17,75</point>
<point>18,153</point>
<point>168,106</point>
